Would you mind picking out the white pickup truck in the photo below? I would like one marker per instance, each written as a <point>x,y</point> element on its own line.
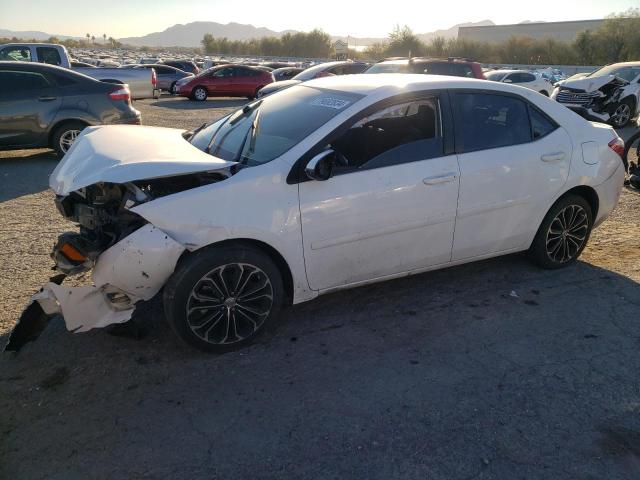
<point>142,82</point>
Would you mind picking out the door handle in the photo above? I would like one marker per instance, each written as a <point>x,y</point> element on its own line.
<point>45,98</point>
<point>445,178</point>
<point>552,157</point>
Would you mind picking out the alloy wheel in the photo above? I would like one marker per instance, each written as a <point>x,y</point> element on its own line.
<point>229,303</point>
<point>567,234</point>
<point>67,139</point>
<point>622,114</point>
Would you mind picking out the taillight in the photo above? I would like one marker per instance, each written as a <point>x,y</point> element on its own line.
<point>121,94</point>
<point>617,145</point>
<point>154,78</point>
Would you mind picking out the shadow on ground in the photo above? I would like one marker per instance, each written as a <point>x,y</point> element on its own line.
<point>25,172</point>
<point>490,370</point>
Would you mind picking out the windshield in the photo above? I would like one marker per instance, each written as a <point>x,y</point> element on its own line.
<point>628,73</point>
<point>264,130</point>
<point>388,68</point>
<point>495,76</point>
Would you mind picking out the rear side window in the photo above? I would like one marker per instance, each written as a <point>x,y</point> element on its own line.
<point>540,124</point>
<point>49,55</point>
<point>22,81</point>
<point>486,121</point>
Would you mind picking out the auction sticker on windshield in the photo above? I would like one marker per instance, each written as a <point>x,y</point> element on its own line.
<point>330,102</point>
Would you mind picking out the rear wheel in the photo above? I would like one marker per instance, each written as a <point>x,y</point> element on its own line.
<point>64,136</point>
<point>199,94</point>
<point>563,234</point>
<point>221,299</point>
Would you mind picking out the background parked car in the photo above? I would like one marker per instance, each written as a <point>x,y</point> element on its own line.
<point>184,65</point>
<point>610,94</point>
<point>225,81</point>
<point>286,73</point>
<point>46,106</point>
<point>166,76</point>
<point>142,83</point>
<point>522,78</point>
<point>317,71</point>
<point>456,67</point>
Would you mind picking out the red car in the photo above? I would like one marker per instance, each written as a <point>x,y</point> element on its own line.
<point>224,81</point>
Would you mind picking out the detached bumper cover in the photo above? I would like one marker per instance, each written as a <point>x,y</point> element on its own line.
<point>134,269</point>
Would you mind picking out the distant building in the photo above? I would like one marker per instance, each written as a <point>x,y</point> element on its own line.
<point>561,31</point>
<point>342,49</point>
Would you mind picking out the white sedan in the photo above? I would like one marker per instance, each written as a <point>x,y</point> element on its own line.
<point>328,185</point>
<point>522,78</point>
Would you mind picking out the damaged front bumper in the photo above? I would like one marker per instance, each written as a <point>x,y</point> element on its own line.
<point>133,269</point>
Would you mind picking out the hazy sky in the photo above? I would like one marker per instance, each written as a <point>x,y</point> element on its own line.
<point>124,18</point>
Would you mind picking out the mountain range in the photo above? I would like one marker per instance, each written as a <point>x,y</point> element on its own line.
<point>190,34</point>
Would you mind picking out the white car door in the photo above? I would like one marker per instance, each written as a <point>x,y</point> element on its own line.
<point>514,160</point>
<point>390,207</point>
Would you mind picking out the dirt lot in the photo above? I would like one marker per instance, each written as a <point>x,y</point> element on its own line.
<point>495,370</point>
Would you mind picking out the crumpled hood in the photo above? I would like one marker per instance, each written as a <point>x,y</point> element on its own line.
<point>588,84</point>
<point>124,153</point>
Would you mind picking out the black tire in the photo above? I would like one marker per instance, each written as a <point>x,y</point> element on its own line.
<point>199,94</point>
<point>60,136</point>
<point>544,92</point>
<point>621,122</point>
<point>203,279</point>
<point>572,239</point>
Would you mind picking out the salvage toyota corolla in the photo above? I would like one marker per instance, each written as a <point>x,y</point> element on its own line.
<point>331,184</point>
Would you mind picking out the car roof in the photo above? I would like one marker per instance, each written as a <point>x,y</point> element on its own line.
<point>367,83</point>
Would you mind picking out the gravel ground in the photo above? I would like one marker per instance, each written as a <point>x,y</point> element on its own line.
<point>445,375</point>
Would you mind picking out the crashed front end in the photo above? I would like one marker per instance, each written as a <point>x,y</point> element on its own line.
<point>594,99</point>
<point>130,258</point>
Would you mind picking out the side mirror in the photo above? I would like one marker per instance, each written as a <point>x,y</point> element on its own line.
<point>320,167</point>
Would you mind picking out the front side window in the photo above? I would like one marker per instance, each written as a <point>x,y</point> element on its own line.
<point>49,55</point>
<point>15,54</point>
<point>486,121</point>
<point>262,131</point>
<point>401,133</point>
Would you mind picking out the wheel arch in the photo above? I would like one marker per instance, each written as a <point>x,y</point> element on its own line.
<point>63,121</point>
<point>634,103</point>
<point>275,255</point>
<point>586,192</point>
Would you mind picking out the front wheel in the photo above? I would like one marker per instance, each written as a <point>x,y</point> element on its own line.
<point>222,298</point>
<point>544,92</point>
<point>563,234</point>
<point>622,114</point>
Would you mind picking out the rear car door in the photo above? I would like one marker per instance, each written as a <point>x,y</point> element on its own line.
<point>390,206</point>
<point>28,105</point>
<point>514,161</point>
